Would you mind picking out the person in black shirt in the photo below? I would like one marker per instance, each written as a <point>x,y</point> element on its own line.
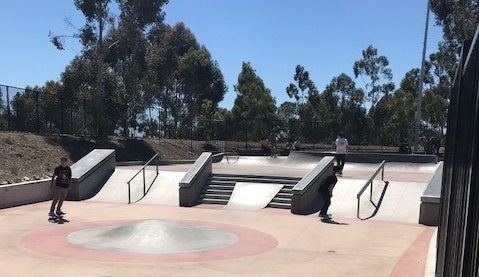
<point>63,175</point>
<point>326,192</point>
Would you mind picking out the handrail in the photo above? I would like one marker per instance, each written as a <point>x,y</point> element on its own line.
<point>370,182</point>
<point>144,179</point>
<point>227,154</point>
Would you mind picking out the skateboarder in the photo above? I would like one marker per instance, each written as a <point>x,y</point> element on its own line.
<point>341,151</point>
<point>63,176</point>
<point>273,140</point>
<point>326,192</point>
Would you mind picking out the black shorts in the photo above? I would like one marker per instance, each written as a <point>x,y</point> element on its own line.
<point>63,186</point>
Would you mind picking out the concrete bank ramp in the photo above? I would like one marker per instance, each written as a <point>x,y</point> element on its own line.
<point>165,190</point>
<point>116,188</point>
<point>401,201</point>
<point>252,196</point>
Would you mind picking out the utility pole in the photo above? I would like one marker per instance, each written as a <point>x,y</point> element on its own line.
<point>421,85</point>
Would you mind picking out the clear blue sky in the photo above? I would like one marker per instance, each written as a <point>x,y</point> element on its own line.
<point>326,37</point>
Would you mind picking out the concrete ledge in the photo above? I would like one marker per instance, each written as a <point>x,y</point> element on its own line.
<point>88,176</point>
<point>431,199</point>
<point>194,180</point>
<point>429,214</point>
<point>90,173</point>
<point>371,157</point>
<point>25,193</point>
<point>306,197</point>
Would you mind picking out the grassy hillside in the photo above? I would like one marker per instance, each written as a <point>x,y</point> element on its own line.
<point>25,156</point>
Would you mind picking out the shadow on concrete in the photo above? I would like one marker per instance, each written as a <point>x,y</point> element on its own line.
<point>380,201</point>
<point>331,221</point>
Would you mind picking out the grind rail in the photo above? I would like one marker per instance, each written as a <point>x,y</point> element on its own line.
<point>370,184</point>
<point>144,178</point>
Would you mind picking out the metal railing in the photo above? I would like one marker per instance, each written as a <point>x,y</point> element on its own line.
<point>370,184</point>
<point>229,157</point>
<point>144,178</point>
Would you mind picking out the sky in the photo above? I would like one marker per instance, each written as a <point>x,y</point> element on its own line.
<point>326,37</point>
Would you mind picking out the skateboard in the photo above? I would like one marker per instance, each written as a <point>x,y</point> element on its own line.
<point>327,219</point>
<point>56,218</point>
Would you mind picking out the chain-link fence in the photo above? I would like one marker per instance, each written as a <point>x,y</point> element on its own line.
<point>30,110</point>
<point>56,111</point>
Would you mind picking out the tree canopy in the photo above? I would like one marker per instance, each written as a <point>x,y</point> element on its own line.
<point>138,75</point>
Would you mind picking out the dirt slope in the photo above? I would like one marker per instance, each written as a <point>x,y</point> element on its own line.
<point>25,156</point>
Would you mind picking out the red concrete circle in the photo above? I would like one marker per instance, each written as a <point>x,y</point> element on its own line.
<point>53,241</point>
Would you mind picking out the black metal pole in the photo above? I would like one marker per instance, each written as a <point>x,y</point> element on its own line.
<point>8,110</point>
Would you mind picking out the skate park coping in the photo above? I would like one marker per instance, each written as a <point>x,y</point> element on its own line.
<point>431,199</point>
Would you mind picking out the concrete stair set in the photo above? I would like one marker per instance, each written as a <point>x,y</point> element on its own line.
<point>219,188</point>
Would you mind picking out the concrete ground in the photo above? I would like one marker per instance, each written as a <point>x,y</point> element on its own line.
<point>272,242</point>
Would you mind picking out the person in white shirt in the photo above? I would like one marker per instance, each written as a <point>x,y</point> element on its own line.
<point>341,151</point>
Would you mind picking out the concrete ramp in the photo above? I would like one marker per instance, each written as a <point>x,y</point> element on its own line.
<point>252,196</point>
<point>165,190</point>
<point>116,188</point>
<point>289,161</point>
<point>401,201</point>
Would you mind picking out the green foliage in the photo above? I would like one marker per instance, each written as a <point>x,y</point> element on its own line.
<point>142,12</point>
<point>376,68</point>
<point>183,75</point>
<point>254,108</point>
<point>303,83</point>
<point>458,18</point>
<point>351,116</point>
<point>138,74</point>
<point>434,107</point>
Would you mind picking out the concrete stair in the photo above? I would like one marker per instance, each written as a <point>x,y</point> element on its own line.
<point>219,188</point>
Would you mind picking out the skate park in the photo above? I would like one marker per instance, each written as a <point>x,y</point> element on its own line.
<point>225,215</point>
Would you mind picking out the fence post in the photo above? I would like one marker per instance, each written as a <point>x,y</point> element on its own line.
<point>37,117</point>
<point>8,110</point>
<point>246,134</point>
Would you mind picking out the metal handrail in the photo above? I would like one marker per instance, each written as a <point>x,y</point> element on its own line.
<point>144,181</point>
<point>370,183</point>
<point>227,154</point>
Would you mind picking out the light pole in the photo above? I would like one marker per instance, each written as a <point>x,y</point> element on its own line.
<point>417,128</point>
